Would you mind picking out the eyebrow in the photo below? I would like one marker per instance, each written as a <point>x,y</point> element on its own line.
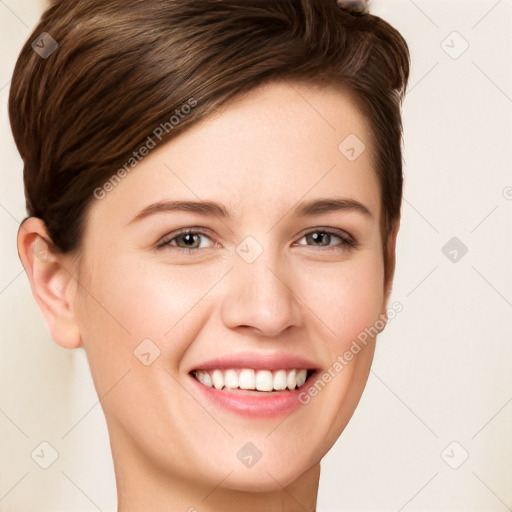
<point>319,206</point>
<point>210,208</point>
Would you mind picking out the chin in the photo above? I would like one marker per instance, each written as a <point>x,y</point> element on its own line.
<point>267,477</point>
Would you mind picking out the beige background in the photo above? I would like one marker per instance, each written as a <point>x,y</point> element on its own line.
<point>442,371</point>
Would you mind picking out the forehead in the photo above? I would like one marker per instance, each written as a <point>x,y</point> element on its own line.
<point>265,150</point>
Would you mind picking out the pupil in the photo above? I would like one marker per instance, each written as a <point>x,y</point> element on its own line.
<point>189,238</point>
<point>318,237</point>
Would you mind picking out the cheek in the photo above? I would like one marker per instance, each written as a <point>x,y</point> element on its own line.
<point>347,296</point>
<point>348,300</point>
<point>134,299</point>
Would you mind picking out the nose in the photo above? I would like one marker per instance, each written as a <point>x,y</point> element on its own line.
<point>259,296</point>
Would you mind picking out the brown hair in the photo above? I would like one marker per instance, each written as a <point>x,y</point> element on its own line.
<point>124,67</point>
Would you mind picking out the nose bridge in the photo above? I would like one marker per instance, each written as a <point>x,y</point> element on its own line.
<point>259,294</point>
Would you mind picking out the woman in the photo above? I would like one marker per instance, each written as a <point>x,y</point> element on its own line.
<point>213,193</point>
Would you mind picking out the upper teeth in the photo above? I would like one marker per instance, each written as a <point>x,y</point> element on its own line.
<point>247,378</point>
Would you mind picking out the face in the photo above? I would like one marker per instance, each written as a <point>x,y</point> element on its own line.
<point>269,279</point>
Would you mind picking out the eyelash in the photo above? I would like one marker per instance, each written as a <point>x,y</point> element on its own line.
<point>347,242</point>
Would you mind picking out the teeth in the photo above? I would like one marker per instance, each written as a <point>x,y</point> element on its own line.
<point>217,379</point>
<point>204,378</point>
<point>247,378</point>
<point>231,379</point>
<point>280,380</point>
<point>291,379</point>
<point>301,377</point>
<point>264,380</point>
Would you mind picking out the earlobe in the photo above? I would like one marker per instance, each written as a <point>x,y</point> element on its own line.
<point>51,281</point>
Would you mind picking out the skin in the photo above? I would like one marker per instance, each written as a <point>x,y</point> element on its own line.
<point>259,157</point>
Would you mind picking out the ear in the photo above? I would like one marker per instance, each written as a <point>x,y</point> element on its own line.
<point>50,273</point>
<point>391,263</point>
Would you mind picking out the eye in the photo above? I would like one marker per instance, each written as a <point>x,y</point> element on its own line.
<point>324,237</point>
<point>190,240</point>
<point>186,240</point>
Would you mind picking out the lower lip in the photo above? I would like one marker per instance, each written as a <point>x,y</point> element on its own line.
<point>255,404</point>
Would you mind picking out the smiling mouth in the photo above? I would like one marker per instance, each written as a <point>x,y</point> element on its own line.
<point>248,379</point>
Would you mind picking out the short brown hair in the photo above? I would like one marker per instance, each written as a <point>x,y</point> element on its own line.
<point>123,67</point>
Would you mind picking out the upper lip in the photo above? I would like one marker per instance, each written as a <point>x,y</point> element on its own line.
<point>275,361</point>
